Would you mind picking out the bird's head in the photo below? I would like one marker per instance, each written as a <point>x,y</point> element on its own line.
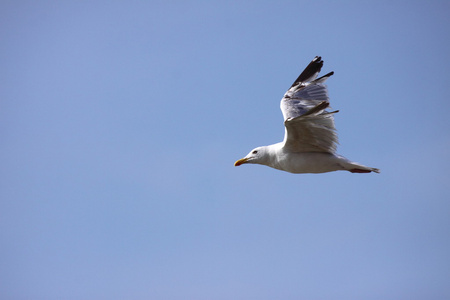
<point>256,156</point>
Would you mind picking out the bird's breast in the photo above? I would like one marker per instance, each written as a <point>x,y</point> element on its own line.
<point>311,162</point>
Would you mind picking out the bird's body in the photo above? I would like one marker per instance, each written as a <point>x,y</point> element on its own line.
<point>310,141</point>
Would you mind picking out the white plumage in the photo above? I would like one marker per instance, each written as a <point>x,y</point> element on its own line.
<point>310,139</point>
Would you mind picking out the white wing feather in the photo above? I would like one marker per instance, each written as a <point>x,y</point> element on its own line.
<point>309,127</point>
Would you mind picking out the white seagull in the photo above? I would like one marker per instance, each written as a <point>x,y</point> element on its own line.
<point>310,139</point>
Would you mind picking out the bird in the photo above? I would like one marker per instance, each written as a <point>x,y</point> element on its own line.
<point>310,139</point>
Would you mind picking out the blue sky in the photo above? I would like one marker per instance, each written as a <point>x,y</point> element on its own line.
<point>120,122</point>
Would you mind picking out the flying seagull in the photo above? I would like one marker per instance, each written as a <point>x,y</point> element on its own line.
<point>310,138</point>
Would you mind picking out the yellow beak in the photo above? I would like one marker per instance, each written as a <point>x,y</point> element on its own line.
<point>240,162</point>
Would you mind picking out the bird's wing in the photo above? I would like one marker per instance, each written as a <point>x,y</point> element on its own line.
<point>309,127</point>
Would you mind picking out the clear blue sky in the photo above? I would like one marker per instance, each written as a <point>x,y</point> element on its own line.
<point>120,122</point>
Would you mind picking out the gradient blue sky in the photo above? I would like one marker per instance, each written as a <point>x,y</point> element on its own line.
<point>120,122</point>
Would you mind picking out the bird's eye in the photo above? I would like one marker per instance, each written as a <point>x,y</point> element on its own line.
<point>254,151</point>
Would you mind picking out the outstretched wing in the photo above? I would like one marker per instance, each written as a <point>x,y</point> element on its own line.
<point>309,127</point>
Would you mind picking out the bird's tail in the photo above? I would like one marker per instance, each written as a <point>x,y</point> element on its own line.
<point>355,167</point>
<point>364,169</point>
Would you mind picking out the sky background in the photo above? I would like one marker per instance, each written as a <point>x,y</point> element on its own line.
<point>120,122</point>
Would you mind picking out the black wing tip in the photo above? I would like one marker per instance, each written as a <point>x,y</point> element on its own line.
<point>317,62</point>
<point>324,77</point>
<point>318,58</point>
<point>313,68</point>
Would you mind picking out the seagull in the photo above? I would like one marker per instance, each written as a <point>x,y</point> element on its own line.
<point>310,138</point>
